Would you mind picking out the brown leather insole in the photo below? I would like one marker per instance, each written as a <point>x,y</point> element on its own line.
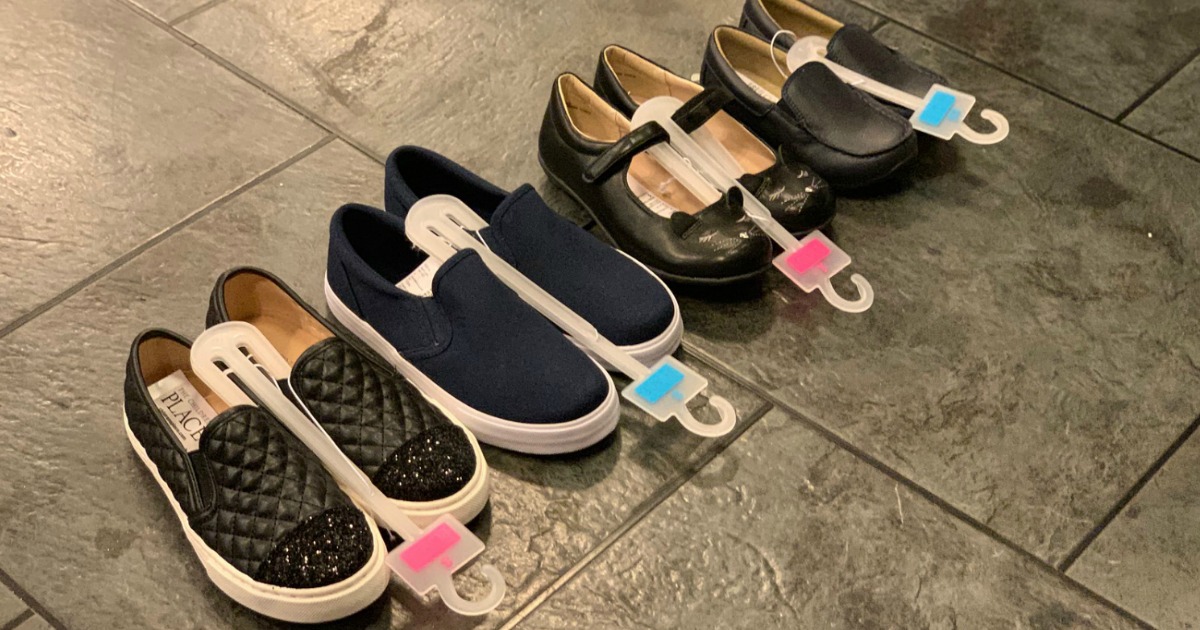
<point>159,357</point>
<point>259,301</point>
<point>644,81</point>
<point>801,19</point>
<point>597,120</point>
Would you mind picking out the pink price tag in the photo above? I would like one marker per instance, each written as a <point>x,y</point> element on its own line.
<point>430,547</point>
<point>809,256</point>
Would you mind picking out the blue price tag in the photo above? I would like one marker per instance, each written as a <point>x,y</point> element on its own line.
<point>937,109</point>
<point>663,380</point>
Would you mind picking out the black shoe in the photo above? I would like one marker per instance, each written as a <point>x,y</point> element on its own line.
<point>426,463</point>
<point>796,196</point>
<point>849,44</point>
<point>588,149</point>
<point>849,138</point>
<point>271,527</point>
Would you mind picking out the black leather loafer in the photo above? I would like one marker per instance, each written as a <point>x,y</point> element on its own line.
<point>849,138</point>
<point>850,45</point>
<point>796,196</point>
<point>588,149</point>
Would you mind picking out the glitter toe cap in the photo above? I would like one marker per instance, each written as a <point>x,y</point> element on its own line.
<point>324,549</point>
<point>433,465</point>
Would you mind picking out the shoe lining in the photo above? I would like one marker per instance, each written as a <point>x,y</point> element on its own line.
<point>598,121</point>
<point>751,59</point>
<point>799,18</point>
<point>257,300</point>
<point>644,80</point>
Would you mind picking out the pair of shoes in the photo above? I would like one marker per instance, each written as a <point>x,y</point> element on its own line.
<point>588,147</point>
<point>269,524</point>
<point>847,136</point>
<point>467,341</point>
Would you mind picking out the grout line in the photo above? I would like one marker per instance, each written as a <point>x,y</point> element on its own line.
<point>882,23</point>
<point>1124,501</point>
<point>160,237</point>
<point>638,514</point>
<point>896,476</point>
<point>18,620</point>
<point>1023,80</point>
<point>212,56</point>
<point>35,607</point>
<point>187,15</point>
<point>1158,85</point>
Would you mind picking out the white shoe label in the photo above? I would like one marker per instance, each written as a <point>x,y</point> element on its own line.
<point>420,281</point>
<point>186,410</point>
<point>758,89</point>
<point>650,200</point>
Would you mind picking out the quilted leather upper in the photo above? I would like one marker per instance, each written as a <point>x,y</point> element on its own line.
<point>372,413</point>
<point>264,485</point>
<point>367,409</point>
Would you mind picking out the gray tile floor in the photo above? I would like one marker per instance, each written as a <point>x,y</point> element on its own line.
<point>1005,440</point>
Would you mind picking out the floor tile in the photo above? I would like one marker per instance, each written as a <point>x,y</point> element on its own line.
<point>78,495</point>
<point>785,530</point>
<point>1148,559</point>
<point>111,134</point>
<point>10,605</point>
<point>1170,114</point>
<point>1101,53</point>
<point>1032,345</point>
<point>469,76</point>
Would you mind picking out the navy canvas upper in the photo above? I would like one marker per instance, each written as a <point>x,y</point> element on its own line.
<point>474,337</point>
<point>620,298</point>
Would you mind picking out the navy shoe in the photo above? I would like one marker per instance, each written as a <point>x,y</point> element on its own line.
<point>627,303</point>
<point>469,343</point>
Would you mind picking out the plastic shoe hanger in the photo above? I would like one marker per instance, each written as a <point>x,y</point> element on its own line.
<point>440,226</point>
<point>428,558</point>
<point>704,166</point>
<point>941,113</point>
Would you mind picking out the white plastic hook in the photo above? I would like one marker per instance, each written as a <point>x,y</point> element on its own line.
<point>809,262</point>
<point>444,547</point>
<point>435,224</point>
<point>941,112</point>
<point>866,295</point>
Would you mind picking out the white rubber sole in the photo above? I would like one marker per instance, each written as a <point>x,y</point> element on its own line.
<point>307,605</point>
<point>536,439</point>
<point>648,352</point>
<point>464,505</point>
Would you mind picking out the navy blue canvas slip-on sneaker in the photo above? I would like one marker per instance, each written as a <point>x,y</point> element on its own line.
<point>848,137</point>
<point>469,343</point>
<point>626,303</point>
<point>270,526</point>
<point>422,460</point>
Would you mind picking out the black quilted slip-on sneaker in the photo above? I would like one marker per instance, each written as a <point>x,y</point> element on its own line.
<point>589,149</point>
<point>418,456</point>
<point>268,523</point>
<point>797,197</point>
<point>849,138</point>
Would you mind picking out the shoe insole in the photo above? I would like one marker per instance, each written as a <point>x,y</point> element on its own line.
<point>257,300</point>
<point>800,18</point>
<point>644,81</point>
<point>598,121</point>
<point>184,400</point>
